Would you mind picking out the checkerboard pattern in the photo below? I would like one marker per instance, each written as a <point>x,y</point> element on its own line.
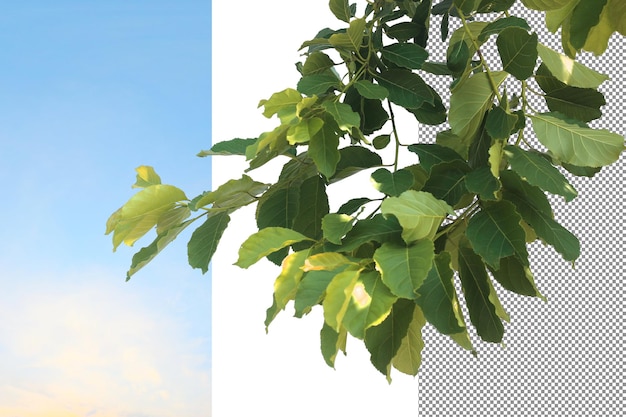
<point>563,357</point>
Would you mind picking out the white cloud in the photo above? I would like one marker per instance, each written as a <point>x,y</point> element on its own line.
<point>87,345</point>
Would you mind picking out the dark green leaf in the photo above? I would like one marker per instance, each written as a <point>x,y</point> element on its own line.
<point>500,124</point>
<point>476,289</point>
<point>373,115</point>
<point>518,51</point>
<point>406,88</point>
<point>279,205</point>
<point>466,6</point>
<point>354,159</point>
<point>313,207</point>
<point>535,209</point>
<point>478,155</point>
<point>318,84</point>
<point>384,340</point>
<point>495,233</point>
<point>584,16</point>
<point>490,6</point>
<point>392,184</point>
<point>377,229</point>
<point>204,240</point>
<point>438,299</point>
<point>431,154</point>
<point>579,103</point>
<point>482,182</point>
<point>436,68</point>
<point>351,206</point>
<point>458,58</point>
<point>431,114</point>
<point>447,181</point>
<point>403,31</point>
<point>516,277</point>
<point>540,172</point>
<point>499,25</point>
<point>407,55</point>
<point>581,171</point>
<point>381,142</point>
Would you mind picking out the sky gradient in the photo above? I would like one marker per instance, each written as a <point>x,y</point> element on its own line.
<point>89,91</point>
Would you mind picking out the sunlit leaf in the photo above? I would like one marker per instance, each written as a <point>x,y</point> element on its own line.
<point>569,71</point>
<point>331,343</point>
<point>338,295</point>
<point>280,100</point>
<point>146,176</point>
<point>335,226</point>
<point>265,242</point>
<point>409,356</point>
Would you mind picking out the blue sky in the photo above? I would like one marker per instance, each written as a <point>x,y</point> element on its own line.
<point>89,90</point>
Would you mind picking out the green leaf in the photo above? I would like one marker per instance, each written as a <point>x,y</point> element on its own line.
<point>404,268</point>
<point>447,181</point>
<point>500,124</point>
<point>409,356</point>
<point>229,147</point>
<point>406,88</point>
<point>377,229</point>
<point>569,71</point>
<point>495,233</point>
<point>544,5</point>
<point>331,343</point>
<point>418,212</point>
<point>141,213</point>
<point>403,31</point>
<point>495,157</point>
<point>352,39</point>
<point>431,154</point>
<point>355,159</point>
<point>516,277</point>
<point>438,299</point>
<point>470,101</point>
<point>317,62</point>
<point>313,206</point>
<point>370,90</point>
<point>466,6</point>
<point>482,182</point>
<point>535,209</point>
<point>303,131</point>
<point>287,282</point>
<point>384,341</point>
<point>579,103</point>
<point>490,6</point>
<point>335,227</point>
<point>540,172</point>
<point>407,55</point>
<point>232,194</point>
<point>476,289</point>
<point>318,84</point>
<point>341,10</point>
<point>370,304</point>
<point>279,205</point>
<point>518,51</point>
<point>381,141</point>
<point>280,100</point>
<point>146,176</point>
<point>458,57</point>
<point>265,242</point>
<point>392,183</point>
<point>326,261</point>
<point>574,144</point>
<point>373,115</point>
<point>311,290</point>
<point>585,15</point>
<point>499,25</point>
<point>338,295</point>
<point>148,253</point>
<point>204,240</point>
<point>342,113</point>
<point>323,150</point>
<point>431,114</point>
<point>172,218</point>
<point>352,205</point>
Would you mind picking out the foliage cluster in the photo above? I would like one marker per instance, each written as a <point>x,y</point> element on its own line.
<point>468,205</point>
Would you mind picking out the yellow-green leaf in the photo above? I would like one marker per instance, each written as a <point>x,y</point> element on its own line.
<point>409,356</point>
<point>265,242</point>
<point>146,176</point>
<point>569,71</point>
<point>338,295</point>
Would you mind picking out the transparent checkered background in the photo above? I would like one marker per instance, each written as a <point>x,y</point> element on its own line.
<point>564,357</point>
